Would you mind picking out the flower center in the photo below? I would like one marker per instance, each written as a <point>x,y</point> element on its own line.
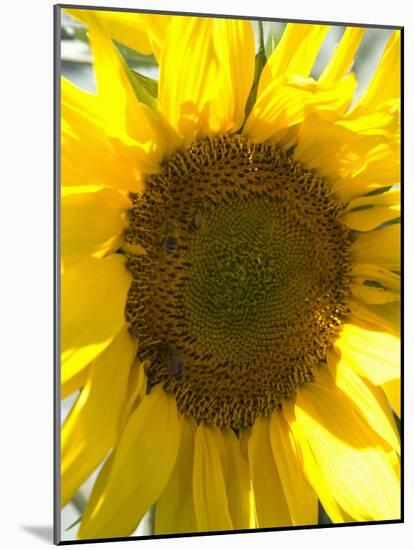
<point>243,285</point>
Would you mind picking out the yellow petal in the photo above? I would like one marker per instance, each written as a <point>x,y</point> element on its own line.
<point>392,390</point>
<point>358,469</point>
<point>89,155</point>
<point>206,73</point>
<point>139,31</point>
<point>93,302</point>
<point>270,502</point>
<point>237,481</point>
<point>385,316</point>
<point>301,499</point>
<point>312,469</point>
<point>295,53</point>
<point>92,427</point>
<point>209,481</point>
<point>142,464</point>
<point>74,383</point>
<point>374,285</point>
<point>366,398</point>
<point>175,508</point>
<point>288,100</point>
<point>92,222</point>
<point>343,56</point>
<point>366,220</point>
<point>156,27</point>
<point>244,436</point>
<point>354,164</point>
<point>380,168</point>
<point>383,121</point>
<point>380,247</point>
<point>137,387</point>
<point>391,198</point>
<point>366,213</point>
<point>373,294</point>
<point>386,83</point>
<point>98,487</point>
<point>139,131</point>
<point>235,46</point>
<point>370,352</point>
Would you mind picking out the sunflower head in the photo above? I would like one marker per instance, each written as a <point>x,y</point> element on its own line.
<point>244,282</point>
<point>230,279</point>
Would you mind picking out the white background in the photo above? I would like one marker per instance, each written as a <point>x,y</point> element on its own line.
<point>26,298</point>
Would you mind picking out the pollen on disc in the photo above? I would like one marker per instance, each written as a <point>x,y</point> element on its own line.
<point>243,285</point>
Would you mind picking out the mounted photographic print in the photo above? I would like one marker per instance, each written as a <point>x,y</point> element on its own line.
<point>228,274</point>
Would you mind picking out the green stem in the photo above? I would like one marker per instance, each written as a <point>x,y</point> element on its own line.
<point>259,64</point>
<point>261,38</point>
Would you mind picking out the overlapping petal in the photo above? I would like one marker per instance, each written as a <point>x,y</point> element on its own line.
<point>301,499</point>
<point>204,79</point>
<point>209,480</point>
<point>138,471</point>
<point>135,129</point>
<point>93,301</point>
<point>358,468</point>
<point>295,53</point>
<point>89,155</point>
<point>237,481</point>
<point>140,31</point>
<point>290,99</point>
<point>354,163</point>
<point>384,316</point>
<point>392,390</point>
<point>175,511</point>
<point>92,427</point>
<point>367,399</point>
<point>381,247</point>
<point>374,285</point>
<point>92,221</point>
<point>366,213</point>
<point>371,352</point>
<point>343,56</point>
<point>73,381</point>
<point>271,506</point>
<point>385,85</point>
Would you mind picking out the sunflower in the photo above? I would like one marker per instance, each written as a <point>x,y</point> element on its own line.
<point>230,280</point>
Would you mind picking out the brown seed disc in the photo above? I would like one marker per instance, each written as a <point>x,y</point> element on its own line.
<point>243,285</point>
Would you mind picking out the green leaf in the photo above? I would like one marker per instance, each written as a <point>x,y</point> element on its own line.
<point>79,502</point>
<point>135,58</point>
<point>74,523</point>
<point>397,421</point>
<point>394,221</point>
<point>323,518</point>
<point>379,191</point>
<point>146,89</point>
<point>260,62</point>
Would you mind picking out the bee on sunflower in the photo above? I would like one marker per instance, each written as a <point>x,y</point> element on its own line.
<point>230,280</point>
